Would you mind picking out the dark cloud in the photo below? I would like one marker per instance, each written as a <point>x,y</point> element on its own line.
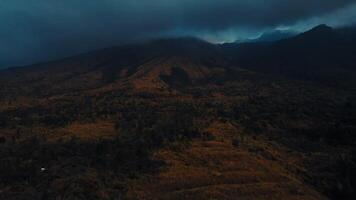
<point>35,30</point>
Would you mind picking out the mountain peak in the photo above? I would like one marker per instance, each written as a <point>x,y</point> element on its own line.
<point>185,46</point>
<point>319,33</point>
<point>321,28</point>
<point>179,42</point>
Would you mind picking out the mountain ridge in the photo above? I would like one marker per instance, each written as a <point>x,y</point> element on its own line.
<point>330,50</point>
<point>316,54</point>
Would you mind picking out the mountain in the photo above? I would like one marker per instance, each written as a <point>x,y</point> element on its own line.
<point>154,65</point>
<point>184,119</point>
<point>270,36</point>
<point>321,53</point>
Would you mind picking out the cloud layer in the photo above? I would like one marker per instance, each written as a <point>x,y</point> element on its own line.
<point>37,30</point>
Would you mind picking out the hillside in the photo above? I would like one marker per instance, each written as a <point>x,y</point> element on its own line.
<point>161,62</point>
<point>184,119</point>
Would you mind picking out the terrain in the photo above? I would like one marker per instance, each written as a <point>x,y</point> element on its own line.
<point>184,119</point>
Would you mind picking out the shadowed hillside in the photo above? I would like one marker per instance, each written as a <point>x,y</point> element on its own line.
<point>184,119</point>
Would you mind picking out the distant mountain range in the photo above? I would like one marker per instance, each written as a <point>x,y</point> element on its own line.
<point>320,54</point>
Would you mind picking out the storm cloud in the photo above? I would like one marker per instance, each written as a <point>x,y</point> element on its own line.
<point>39,30</point>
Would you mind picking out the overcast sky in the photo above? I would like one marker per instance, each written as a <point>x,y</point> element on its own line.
<point>40,30</point>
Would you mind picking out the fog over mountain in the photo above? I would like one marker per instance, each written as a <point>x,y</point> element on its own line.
<point>39,30</point>
<point>177,99</point>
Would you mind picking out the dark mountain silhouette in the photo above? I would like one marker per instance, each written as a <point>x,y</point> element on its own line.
<point>322,53</point>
